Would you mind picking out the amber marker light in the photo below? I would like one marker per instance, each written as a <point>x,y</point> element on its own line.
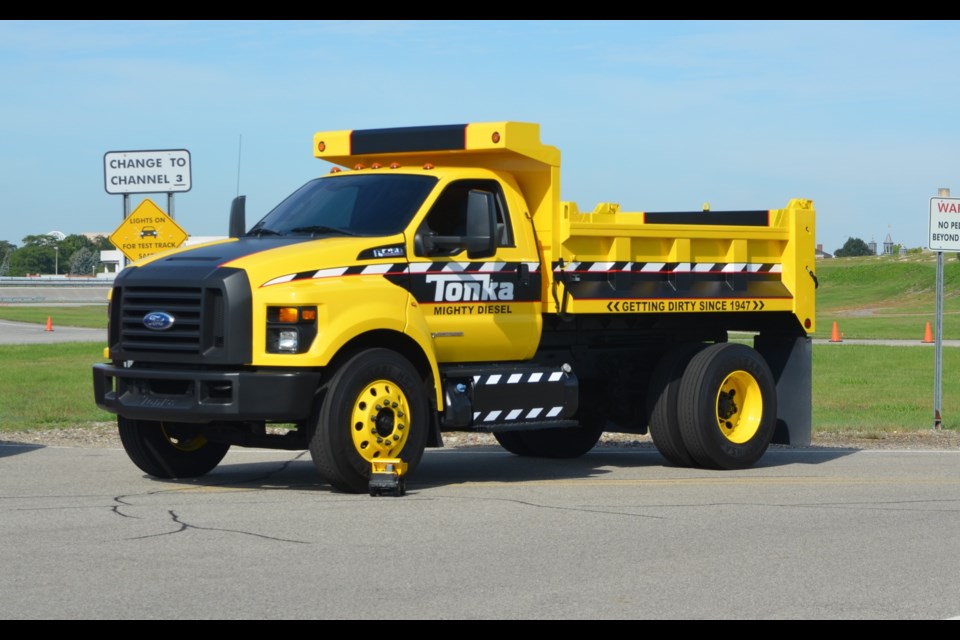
<point>375,165</point>
<point>495,137</point>
<point>321,146</point>
<point>359,166</point>
<point>335,170</point>
<point>394,165</point>
<point>428,166</point>
<point>288,314</point>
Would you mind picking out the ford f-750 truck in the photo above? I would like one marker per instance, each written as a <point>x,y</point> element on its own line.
<point>434,282</point>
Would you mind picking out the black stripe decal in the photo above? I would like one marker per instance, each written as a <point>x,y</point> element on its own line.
<point>452,137</point>
<point>736,218</point>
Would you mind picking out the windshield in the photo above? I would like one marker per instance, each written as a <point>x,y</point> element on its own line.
<point>364,205</point>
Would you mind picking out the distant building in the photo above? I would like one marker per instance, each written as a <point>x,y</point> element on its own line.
<point>821,253</point>
<point>872,245</point>
<point>888,246</point>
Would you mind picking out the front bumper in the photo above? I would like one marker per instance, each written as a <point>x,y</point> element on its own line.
<point>204,395</point>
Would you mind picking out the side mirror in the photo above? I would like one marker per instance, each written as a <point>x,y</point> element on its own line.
<point>481,240</point>
<point>238,216</point>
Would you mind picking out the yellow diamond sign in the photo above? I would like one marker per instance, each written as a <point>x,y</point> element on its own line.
<point>146,231</point>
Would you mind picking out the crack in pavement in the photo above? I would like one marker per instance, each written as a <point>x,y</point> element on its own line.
<point>184,526</point>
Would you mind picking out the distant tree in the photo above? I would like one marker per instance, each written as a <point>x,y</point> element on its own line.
<point>32,258</point>
<point>41,240</point>
<point>103,243</point>
<point>853,247</point>
<point>6,250</point>
<point>83,261</point>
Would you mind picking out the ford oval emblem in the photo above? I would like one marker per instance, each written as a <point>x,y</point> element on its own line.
<point>158,320</point>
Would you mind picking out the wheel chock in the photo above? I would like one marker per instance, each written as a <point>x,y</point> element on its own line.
<point>386,477</point>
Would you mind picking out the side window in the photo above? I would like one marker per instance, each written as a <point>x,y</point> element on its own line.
<point>448,216</point>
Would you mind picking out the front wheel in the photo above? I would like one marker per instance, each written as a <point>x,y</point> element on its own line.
<point>375,406</point>
<point>169,449</point>
<point>727,406</point>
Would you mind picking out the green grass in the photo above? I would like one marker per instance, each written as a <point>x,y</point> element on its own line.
<point>92,316</point>
<point>886,297</point>
<point>875,389</point>
<point>48,386</point>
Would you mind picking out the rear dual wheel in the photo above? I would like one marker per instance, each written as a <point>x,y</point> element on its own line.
<point>727,406</point>
<point>662,402</point>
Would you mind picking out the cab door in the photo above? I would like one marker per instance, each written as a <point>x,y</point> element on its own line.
<point>481,309</point>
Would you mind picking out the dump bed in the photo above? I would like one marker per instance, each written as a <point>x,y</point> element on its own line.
<point>611,261</point>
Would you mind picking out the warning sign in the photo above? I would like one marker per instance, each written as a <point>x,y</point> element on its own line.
<point>146,231</point>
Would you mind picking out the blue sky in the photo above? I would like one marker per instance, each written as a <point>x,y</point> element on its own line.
<point>861,117</point>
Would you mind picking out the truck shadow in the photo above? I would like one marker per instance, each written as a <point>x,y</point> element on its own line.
<point>491,465</point>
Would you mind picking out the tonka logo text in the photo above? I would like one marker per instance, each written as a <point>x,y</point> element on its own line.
<point>469,288</point>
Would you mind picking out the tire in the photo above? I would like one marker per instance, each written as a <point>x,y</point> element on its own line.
<point>662,403</point>
<point>727,406</point>
<point>563,442</point>
<point>354,426</point>
<point>169,449</point>
<point>513,442</point>
<point>560,442</point>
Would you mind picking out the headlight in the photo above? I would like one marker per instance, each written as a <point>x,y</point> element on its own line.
<point>291,329</point>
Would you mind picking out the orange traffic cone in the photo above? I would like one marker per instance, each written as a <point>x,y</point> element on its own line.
<point>927,335</point>
<point>836,333</point>
<point>49,323</point>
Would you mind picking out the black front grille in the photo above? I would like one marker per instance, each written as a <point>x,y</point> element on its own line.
<point>212,322</point>
<point>185,304</point>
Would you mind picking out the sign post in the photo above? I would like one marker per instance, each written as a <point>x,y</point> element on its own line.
<point>944,231</point>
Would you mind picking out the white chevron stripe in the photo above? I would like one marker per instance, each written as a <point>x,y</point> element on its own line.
<point>330,273</point>
<point>373,269</point>
<point>419,267</point>
<point>514,378</point>
<point>513,414</point>
<point>601,266</point>
<point>533,413</point>
<point>702,267</point>
<point>554,412</point>
<point>494,379</point>
<point>492,416</point>
<point>653,266</point>
<point>535,377</point>
<point>556,375</point>
<point>279,280</point>
<point>777,268</point>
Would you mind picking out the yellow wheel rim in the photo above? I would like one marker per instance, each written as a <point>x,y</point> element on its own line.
<point>380,421</point>
<point>739,407</point>
<point>193,443</point>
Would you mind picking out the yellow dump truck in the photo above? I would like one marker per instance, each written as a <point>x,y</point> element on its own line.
<point>435,282</point>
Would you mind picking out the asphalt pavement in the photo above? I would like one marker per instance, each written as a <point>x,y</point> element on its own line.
<point>29,333</point>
